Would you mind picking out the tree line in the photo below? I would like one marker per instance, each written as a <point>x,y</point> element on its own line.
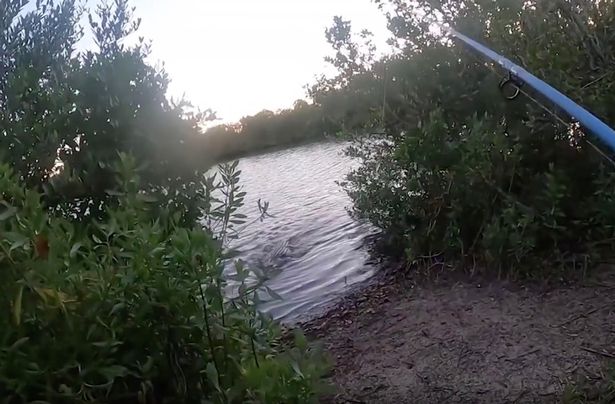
<point>305,122</point>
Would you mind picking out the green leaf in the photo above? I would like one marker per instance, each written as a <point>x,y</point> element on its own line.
<point>148,365</point>
<point>112,192</point>
<point>8,213</point>
<point>297,370</point>
<point>74,249</point>
<point>273,294</point>
<point>17,239</point>
<point>117,307</point>
<point>212,375</point>
<point>106,344</point>
<point>114,371</point>
<point>17,305</point>
<point>18,343</point>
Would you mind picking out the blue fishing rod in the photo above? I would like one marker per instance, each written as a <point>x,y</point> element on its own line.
<point>518,76</point>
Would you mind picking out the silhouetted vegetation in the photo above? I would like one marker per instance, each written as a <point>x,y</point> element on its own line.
<point>336,105</point>
<point>303,123</point>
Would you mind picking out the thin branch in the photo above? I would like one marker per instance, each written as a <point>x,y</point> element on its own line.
<point>600,353</point>
<point>579,316</point>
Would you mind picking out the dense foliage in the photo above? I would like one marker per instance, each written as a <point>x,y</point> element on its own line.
<point>63,108</point>
<point>112,238</point>
<point>462,173</point>
<point>132,309</point>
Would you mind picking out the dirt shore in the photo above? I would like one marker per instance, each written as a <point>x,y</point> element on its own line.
<point>466,340</point>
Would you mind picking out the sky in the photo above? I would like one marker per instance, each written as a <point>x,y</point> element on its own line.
<point>238,57</point>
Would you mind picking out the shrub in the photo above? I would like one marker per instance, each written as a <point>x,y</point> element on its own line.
<point>65,113</point>
<point>133,308</point>
<point>462,174</point>
<point>111,290</point>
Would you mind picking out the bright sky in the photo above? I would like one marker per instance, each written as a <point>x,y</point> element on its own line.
<point>241,56</point>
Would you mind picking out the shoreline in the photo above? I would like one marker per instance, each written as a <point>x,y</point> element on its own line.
<point>456,338</point>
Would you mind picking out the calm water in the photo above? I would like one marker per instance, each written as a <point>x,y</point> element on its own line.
<point>311,247</point>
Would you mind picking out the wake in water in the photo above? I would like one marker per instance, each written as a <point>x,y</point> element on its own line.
<point>310,250</point>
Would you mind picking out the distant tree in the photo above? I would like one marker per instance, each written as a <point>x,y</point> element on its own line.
<point>300,104</point>
<point>351,57</point>
<point>303,123</point>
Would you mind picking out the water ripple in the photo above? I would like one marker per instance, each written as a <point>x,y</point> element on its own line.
<point>311,243</point>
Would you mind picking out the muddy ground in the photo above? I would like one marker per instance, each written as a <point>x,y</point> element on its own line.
<point>466,340</point>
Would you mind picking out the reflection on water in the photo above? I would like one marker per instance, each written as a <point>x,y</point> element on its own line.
<point>313,248</point>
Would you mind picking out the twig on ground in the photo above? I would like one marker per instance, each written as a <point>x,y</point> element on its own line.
<point>601,353</point>
<point>520,396</point>
<point>578,316</point>
<point>524,354</point>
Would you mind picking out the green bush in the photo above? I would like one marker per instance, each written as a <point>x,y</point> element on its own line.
<point>133,308</point>
<point>462,174</point>
<point>111,289</point>
<point>65,113</point>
